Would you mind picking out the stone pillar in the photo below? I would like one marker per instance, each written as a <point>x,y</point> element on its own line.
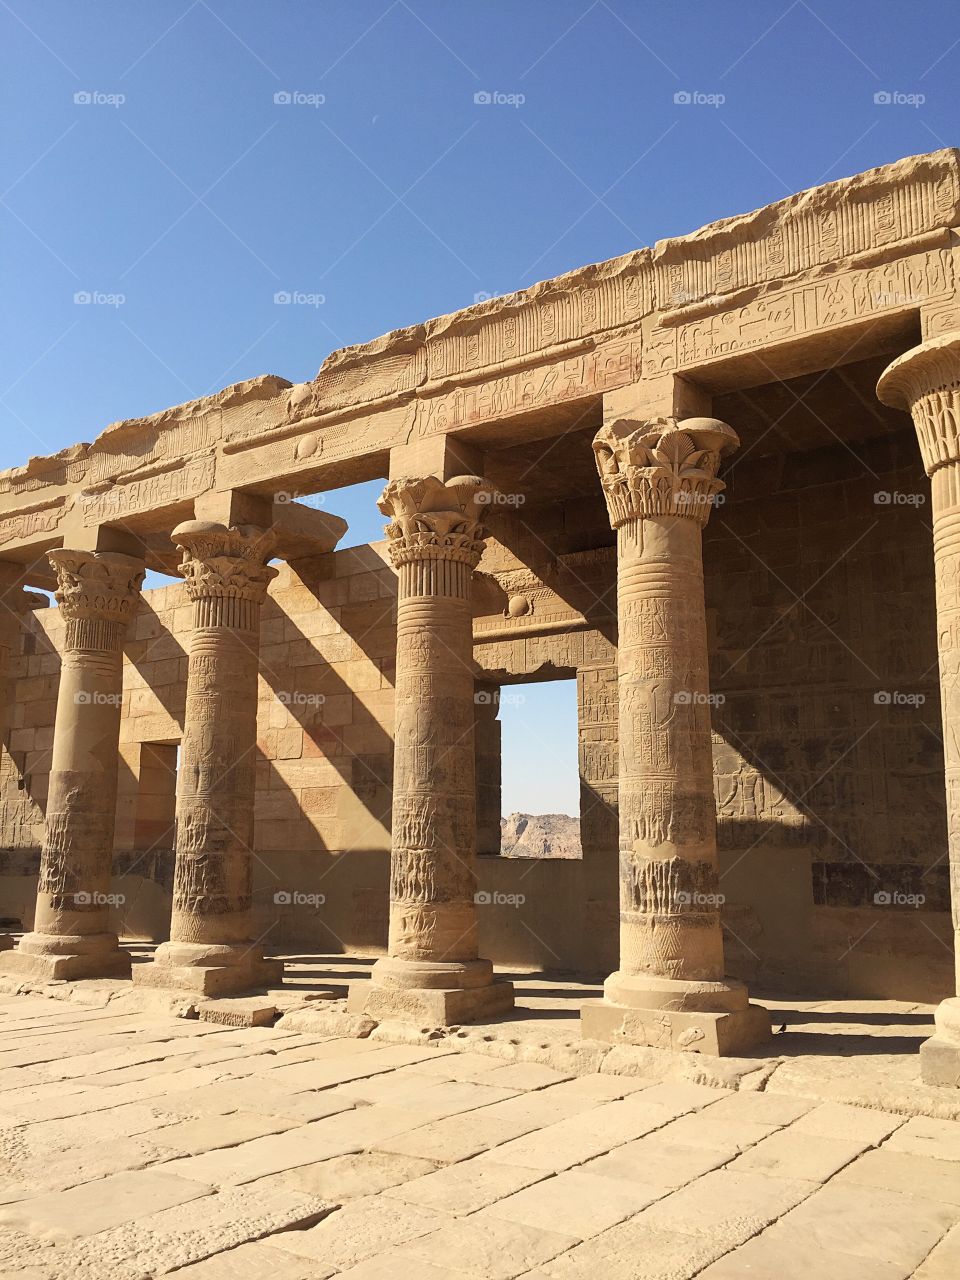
<point>433,972</point>
<point>11,606</point>
<point>98,594</point>
<point>926,382</point>
<point>659,481</point>
<point>211,950</point>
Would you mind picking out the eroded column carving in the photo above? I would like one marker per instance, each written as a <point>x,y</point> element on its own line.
<point>660,483</point>
<point>98,594</point>
<point>211,948</point>
<point>925,381</point>
<point>433,967</point>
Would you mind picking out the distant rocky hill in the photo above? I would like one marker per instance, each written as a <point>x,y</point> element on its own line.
<point>540,835</point>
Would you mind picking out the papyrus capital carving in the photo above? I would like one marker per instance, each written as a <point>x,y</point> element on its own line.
<point>433,520</point>
<point>926,382</point>
<point>662,467</point>
<point>98,593</point>
<point>225,563</point>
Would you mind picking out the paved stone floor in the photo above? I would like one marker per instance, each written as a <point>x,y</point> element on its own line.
<point>137,1144</point>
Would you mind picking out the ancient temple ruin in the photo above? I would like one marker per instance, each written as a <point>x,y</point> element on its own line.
<point>688,479</point>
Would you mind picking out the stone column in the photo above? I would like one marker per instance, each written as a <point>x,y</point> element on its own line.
<point>659,481</point>
<point>433,971</point>
<point>926,382</point>
<point>11,607</point>
<point>98,594</point>
<point>211,948</point>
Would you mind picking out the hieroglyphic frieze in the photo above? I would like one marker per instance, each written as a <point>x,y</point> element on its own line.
<point>827,303</point>
<point>163,489</point>
<point>875,210</point>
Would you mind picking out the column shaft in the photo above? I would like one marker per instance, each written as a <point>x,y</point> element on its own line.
<point>926,381</point>
<point>433,970</point>
<point>98,593</point>
<point>212,949</point>
<point>659,479</point>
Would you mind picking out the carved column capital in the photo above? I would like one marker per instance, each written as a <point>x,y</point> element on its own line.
<point>662,467</point>
<point>926,382</point>
<point>433,520</point>
<point>221,563</point>
<point>98,593</point>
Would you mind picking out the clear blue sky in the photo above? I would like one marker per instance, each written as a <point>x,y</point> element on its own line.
<point>198,197</point>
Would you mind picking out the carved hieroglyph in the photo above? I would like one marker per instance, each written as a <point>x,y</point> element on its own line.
<point>98,594</point>
<point>210,947</point>
<point>435,540</point>
<point>926,381</point>
<point>660,482</point>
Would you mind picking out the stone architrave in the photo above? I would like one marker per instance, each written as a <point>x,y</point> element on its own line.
<point>925,381</point>
<point>211,948</point>
<point>660,481</point>
<point>98,594</point>
<point>433,970</point>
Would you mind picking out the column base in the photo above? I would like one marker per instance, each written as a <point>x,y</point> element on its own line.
<point>715,1018</point>
<point>217,970</point>
<point>432,993</point>
<point>49,957</point>
<point>940,1055</point>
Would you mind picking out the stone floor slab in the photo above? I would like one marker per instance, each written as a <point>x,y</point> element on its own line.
<point>461,1189</point>
<point>485,1247</point>
<point>98,1206</point>
<point>360,1230</point>
<point>583,1203</point>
